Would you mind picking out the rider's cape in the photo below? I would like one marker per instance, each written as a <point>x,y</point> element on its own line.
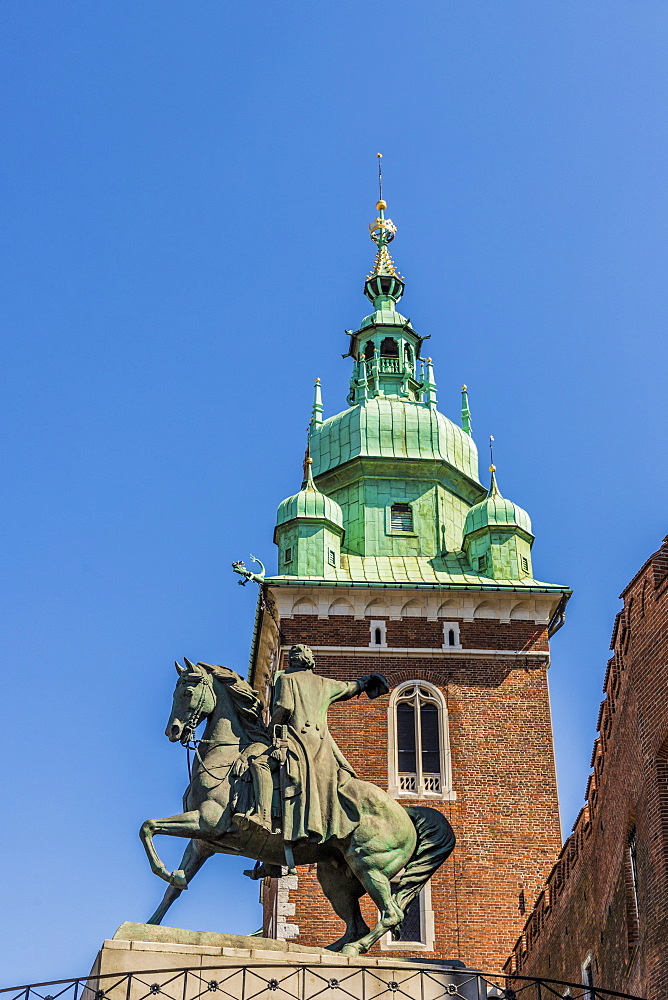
<point>315,803</point>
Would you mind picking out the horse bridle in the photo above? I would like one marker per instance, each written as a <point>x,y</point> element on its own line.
<point>190,725</point>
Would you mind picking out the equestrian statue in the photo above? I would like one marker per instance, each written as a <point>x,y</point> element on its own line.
<point>284,795</point>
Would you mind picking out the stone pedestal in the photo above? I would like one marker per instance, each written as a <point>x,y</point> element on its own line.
<point>143,961</point>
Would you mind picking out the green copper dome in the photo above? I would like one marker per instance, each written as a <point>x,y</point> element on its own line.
<point>390,428</point>
<point>310,503</point>
<point>496,511</point>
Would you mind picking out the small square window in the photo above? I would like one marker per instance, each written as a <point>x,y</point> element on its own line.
<point>451,639</point>
<point>331,557</point>
<point>482,563</point>
<point>288,555</point>
<point>378,635</point>
<point>525,564</point>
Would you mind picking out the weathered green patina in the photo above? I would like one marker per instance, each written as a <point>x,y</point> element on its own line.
<point>359,837</point>
<point>315,772</point>
<point>309,532</point>
<point>497,536</point>
<point>392,447</point>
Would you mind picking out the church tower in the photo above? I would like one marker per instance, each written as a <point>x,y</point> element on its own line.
<point>393,557</point>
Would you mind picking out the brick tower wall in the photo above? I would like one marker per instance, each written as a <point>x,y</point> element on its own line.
<point>593,909</point>
<point>505,814</point>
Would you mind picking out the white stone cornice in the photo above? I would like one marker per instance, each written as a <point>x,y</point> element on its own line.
<point>469,606</point>
<point>413,652</point>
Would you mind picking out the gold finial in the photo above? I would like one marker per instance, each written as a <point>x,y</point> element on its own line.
<point>464,388</point>
<point>309,461</point>
<point>492,468</point>
<point>382,231</point>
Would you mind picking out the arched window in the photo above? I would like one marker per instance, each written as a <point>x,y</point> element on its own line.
<point>389,348</point>
<point>401,517</point>
<point>419,748</point>
<point>369,349</point>
<point>408,354</point>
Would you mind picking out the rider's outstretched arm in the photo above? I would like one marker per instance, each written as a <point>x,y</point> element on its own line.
<point>344,690</point>
<point>373,684</point>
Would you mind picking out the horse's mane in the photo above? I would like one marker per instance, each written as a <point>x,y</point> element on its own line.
<point>246,702</point>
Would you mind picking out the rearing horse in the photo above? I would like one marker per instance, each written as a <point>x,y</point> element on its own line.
<point>387,838</point>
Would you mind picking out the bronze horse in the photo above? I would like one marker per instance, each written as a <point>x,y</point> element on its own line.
<point>386,840</point>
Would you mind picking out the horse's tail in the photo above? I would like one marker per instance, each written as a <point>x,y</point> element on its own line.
<point>435,841</point>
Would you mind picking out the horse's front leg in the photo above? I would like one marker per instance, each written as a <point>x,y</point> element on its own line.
<point>196,853</point>
<point>184,825</point>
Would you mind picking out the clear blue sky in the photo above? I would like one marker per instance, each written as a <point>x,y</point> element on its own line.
<point>186,188</point>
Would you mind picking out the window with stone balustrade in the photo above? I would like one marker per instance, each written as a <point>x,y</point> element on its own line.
<point>418,743</point>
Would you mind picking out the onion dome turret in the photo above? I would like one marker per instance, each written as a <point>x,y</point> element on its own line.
<point>309,531</point>
<point>498,537</point>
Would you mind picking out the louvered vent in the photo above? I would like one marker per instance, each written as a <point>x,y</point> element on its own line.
<point>401,517</point>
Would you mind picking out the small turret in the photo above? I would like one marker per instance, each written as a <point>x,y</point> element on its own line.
<point>497,537</point>
<point>309,532</point>
<point>316,413</point>
<point>466,411</point>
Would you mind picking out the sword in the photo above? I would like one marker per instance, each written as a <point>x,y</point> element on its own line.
<point>281,743</point>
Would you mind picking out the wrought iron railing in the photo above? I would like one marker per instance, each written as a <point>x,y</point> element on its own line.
<point>308,982</point>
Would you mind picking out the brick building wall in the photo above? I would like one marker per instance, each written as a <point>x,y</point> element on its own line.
<point>606,900</point>
<point>505,813</point>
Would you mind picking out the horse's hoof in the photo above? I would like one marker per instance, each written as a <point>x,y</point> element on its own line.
<point>350,949</point>
<point>178,880</point>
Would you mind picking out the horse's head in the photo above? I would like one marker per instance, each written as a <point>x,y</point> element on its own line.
<point>194,700</point>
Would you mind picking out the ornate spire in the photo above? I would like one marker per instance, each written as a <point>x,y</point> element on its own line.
<point>383,280</point>
<point>382,232</point>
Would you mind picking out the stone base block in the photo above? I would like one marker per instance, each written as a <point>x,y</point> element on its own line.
<point>142,961</point>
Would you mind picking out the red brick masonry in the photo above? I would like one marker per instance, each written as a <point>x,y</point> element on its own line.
<point>592,906</point>
<point>505,814</point>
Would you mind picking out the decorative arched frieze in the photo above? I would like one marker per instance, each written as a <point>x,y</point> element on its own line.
<point>413,609</point>
<point>485,610</point>
<point>377,609</point>
<point>304,606</point>
<point>341,607</point>
<point>450,610</point>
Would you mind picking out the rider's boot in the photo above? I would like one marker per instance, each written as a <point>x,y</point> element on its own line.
<point>263,786</point>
